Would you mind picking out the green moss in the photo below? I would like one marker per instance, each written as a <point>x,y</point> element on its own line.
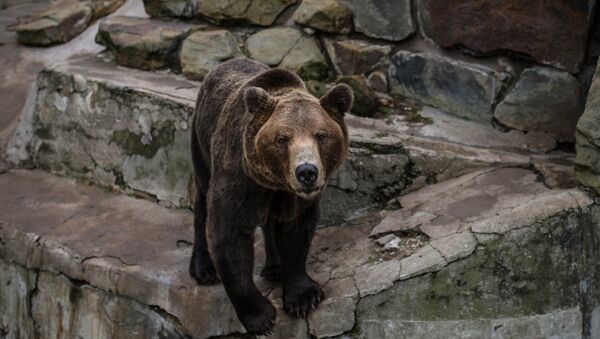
<point>132,144</point>
<point>314,71</point>
<point>523,273</point>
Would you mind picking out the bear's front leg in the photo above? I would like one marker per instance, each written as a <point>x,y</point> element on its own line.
<point>301,294</point>
<point>231,223</point>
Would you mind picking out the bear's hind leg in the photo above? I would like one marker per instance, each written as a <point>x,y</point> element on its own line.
<point>272,269</point>
<point>201,265</point>
<point>301,294</point>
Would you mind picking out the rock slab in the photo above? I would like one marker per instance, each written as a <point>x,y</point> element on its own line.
<point>288,48</point>
<point>587,161</point>
<point>351,57</point>
<point>466,89</point>
<point>329,16</point>
<point>142,43</point>
<point>63,20</point>
<point>543,100</point>
<point>258,12</point>
<point>550,32</point>
<point>202,51</point>
<point>59,23</point>
<point>169,8</point>
<point>383,19</point>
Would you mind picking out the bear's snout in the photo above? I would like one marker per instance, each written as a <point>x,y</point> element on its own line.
<point>307,175</point>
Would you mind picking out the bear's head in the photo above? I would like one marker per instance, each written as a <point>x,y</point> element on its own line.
<point>294,141</point>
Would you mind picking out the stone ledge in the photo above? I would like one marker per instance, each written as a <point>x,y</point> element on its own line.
<point>129,248</point>
<point>108,118</point>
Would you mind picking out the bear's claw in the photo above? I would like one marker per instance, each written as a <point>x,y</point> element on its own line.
<point>260,321</point>
<point>302,298</point>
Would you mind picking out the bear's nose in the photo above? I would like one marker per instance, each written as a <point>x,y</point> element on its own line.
<point>307,174</point>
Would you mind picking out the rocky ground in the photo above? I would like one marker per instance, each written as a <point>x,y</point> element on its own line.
<point>437,226</point>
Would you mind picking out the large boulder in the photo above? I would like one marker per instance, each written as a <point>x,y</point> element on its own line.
<point>543,100</point>
<point>365,99</point>
<point>169,8</point>
<point>587,161</point>
<point>63,20</point>
<point>329,16</point>
<point>550,32</point>
<point>356,56</point>
<point>258,12</point>
<point>202,51</point>
<point>384,19</point>
<point>59,23</point>
<point>288,48</point>
<point>270,46</point>
<point>141,43</point>
<point>466,89</point>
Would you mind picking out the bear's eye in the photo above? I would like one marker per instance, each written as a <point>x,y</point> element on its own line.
<point>321,137</point>
<point>282,140</point>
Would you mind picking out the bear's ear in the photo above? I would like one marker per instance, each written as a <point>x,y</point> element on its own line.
<point>258,102</point>
<point>338,100</point>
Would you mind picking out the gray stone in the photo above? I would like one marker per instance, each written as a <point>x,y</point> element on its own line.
<point>372,279</point>
<point>381,241</point>
<point>386,19</point>
<point>17,289</point>
<point>378,82</point>
<point>259,12</point>
<point>271,45</point>
<point>59,23</point>
<point>351,57</point>
<point>140,146</point>
<point>141,43</point>
<point>507,281</point>
<point>169,8</point>
<point>486,201</point>
<point>425,260</point>
<point>565,324</point>
<point>288,48</point>
<point>104,7</point>
<point>335,315</point>
<point>595,323</point>
<point>540,207</point>
<point>466,89</point>
<point>87,312</point>
<point>330,16</point>
<point>365,103</point>
<point>456,246</point>
<point>543,100</point>
<point>587,161</point>
<point>306,59</point>
<point>202,51</point>
<point>367,171</point>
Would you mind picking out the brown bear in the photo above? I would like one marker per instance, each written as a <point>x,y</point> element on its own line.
<point>263,149</point>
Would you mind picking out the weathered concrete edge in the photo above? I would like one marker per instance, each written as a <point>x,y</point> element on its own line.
<point>33,252</point>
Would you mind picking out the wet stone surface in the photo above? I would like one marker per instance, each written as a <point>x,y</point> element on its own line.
<point>61,238</point>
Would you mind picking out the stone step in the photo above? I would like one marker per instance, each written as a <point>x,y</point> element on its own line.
<point>62,20</point>
<point>130,131</point>
<point>82,262</point>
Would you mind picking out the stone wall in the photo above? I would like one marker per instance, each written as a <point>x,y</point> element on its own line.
<point>522,66</point>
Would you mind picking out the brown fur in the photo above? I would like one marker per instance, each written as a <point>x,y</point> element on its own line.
<point>250,127</point>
